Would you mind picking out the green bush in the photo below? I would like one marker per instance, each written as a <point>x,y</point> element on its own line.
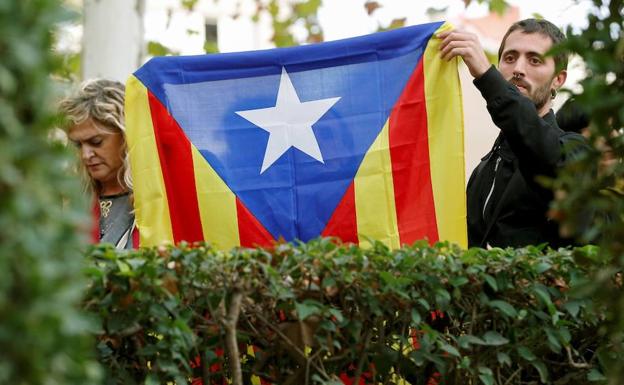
<point>590,194</point>
<point>318,310</point>
<point>43,337</point>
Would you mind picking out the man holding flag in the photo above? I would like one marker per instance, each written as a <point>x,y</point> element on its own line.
<point>506,204</point>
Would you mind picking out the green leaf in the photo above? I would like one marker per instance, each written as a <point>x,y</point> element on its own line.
<point>152,379</point>
<point>189,4</point>
<point>393,280</point>
<point>465,363</point>
<point>542,370</point>
<point>467,339</point>
<point>504,307</point>
<point>423,302</point>
<point>493,338</point>
<point>522,314</point>
<point>337,314</point>
<point>443,298</point>
<point>526,353</point>
<point>486,379</point>
<point>155,48</point>
<point>210,356</point>
<point>458,281</point>
<point>486,375</point>
<point>498,6</point>
<point>595,375</point>
<point>565,335</point>
<point>542,267</point>
<point>573,307</point>
<point>328,325</point>
<point>123,267</point>
<point>485,370</point>
<point>450,350</point>
<point>416,318</point>
<point>503,358</point>
<point>553,340</point>
<point>306,309</point>
<point>542,293</point>
<point>387,277</point>
<point>328,282</point>
<point>491,281</point>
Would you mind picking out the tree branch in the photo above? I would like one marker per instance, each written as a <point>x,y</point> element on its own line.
<point>360,367</point>
<point>578,365</point>
<point>288,342</point>
<point>231,344</point>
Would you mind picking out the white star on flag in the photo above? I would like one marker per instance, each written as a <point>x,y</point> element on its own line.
<point>289,123</point>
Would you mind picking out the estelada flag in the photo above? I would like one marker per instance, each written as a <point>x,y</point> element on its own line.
<point>360,138</point>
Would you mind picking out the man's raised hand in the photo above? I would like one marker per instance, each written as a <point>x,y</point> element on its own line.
<point>465,44</point>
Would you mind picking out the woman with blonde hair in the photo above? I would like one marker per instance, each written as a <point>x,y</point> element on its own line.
<point>95,115</point>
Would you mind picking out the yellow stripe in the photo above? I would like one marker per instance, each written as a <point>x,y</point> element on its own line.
<point>150,196</point>
<point>217,205</point>
<point>446,142</point>
<point>374,195</point>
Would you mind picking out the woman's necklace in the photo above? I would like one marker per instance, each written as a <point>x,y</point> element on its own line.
<point>105,206</point>
<point>106,202</point>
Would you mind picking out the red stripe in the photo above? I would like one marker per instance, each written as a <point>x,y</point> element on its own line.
<point>411,171</point>
<point>250,231</point>
<point>343,223</point>
<point>95,225</point>
<point>176,162</point>
<point>136,238</point>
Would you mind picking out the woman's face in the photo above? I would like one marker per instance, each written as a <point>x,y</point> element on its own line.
<point>101,152</point>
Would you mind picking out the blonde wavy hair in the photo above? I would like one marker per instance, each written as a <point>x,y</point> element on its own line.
<point>102,101</point>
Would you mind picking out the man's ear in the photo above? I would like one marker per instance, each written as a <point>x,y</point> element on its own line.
<point>559,79</point>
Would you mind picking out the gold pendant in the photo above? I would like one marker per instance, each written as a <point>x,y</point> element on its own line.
<point>105,207</point>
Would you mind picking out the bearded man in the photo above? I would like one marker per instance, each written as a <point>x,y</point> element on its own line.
<point>507,206</point>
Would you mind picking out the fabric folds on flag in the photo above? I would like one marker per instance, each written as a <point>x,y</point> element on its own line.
<point>360,138</point>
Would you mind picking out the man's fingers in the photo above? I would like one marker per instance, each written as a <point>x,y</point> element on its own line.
<point>466,45</point>
<point>453,36</point>
<point>454,48</point>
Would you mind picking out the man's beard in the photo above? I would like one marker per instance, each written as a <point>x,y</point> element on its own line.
<point>539,96</point>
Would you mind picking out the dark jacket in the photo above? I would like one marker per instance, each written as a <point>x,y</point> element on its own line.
<point>506,204</point>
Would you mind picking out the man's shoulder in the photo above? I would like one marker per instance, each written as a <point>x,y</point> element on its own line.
<point>573,138</point>
<point>571,135</point>
<point>573,145</point>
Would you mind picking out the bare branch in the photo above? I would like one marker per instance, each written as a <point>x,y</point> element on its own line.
<point>360,366</point>
<point>578,365</point>
<point>231,344</point>
<point>288,342</point>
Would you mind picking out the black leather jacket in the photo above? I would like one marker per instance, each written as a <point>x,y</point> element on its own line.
<point>506,205</point>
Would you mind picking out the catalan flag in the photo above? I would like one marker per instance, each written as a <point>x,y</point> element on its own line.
<point>360,138</point>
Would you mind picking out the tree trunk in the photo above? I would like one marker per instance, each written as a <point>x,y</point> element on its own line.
<point>113,45</point>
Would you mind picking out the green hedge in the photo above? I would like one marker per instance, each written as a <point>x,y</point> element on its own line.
<point>320,310</point>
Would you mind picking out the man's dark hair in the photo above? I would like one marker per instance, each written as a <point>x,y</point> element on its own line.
<point>572,116</point>
<point>545,28</point>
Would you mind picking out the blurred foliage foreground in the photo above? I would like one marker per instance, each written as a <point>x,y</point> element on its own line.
<point>327,313</point>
